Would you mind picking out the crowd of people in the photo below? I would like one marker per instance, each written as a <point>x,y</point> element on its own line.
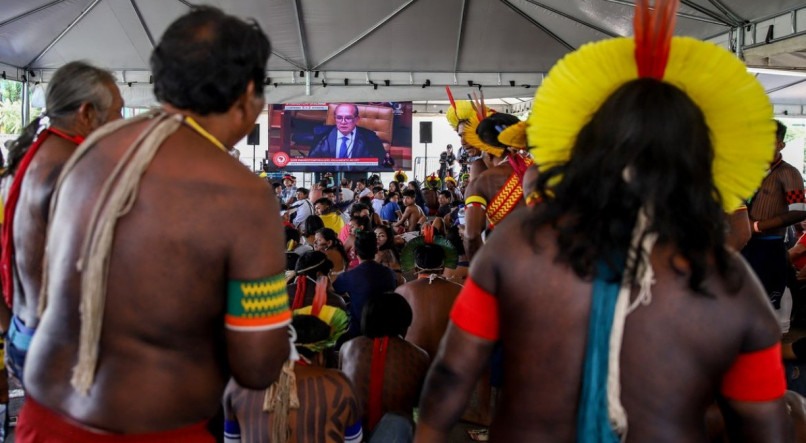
<point>584,280</point>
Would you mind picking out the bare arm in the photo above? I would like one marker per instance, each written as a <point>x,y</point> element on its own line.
<point>785,219</point>
<point>256,356</point>
<point>460,361</point>
<point>766,422</point>
<point>739,230</point>
<point>761,419</point>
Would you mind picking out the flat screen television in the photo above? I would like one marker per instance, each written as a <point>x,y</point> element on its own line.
<point>340,137</point>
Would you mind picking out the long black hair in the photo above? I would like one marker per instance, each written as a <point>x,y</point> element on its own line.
<point>647,146</point>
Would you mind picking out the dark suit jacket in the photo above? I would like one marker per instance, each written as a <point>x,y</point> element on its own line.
<point>366,145</point>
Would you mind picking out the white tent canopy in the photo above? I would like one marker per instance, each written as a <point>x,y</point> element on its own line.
<point>373,50</point>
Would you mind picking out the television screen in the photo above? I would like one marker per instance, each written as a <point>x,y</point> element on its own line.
<point>340,137</point>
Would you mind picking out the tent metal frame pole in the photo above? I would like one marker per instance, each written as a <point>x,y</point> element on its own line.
<point>32,11</point>
<point>303,43</point>
<point>273,52</point>
<point>462,15</point>
<point>365,34</point>
<point>143,23</point>
<point>64,32</point>
<point>717,20</point>
<point>26,102</point>
<point>727,11</point>
<point>728,20</point>
<point>187,3</point>
<point>782,87</point>
<point>538,25</point>
<point>574,19</point>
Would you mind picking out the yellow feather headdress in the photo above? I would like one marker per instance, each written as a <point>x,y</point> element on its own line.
<point>737,110</point>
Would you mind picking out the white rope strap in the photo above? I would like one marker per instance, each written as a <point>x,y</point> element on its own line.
<point>637,259</point>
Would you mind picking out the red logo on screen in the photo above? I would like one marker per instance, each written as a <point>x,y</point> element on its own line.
<point>280,159</point>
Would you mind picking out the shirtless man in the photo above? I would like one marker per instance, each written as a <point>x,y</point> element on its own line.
<point>430,297</point>
<point>193,291</point>
<point>401,367</point>
<point>623,159</point>
<point>496,192</point>
<point>80,98</point>
<point>459,117</point>
<point>328,407</point>
<point>412,215</point>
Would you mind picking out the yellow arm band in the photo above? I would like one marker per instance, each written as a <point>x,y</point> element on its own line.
<point>476,199</point>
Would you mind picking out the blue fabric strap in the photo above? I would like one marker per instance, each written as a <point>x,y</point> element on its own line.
<point>593,423</point>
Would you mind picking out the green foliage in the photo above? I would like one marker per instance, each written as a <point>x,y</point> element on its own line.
<point>10,107</point>
<point>10,117</point>
<point>10,91</point>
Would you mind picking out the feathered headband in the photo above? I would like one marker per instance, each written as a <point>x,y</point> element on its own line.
<point>470,113</point>
<point>736,108</point>
<point>407,262</point>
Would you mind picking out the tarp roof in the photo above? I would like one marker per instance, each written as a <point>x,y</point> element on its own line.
<point>409,43</point>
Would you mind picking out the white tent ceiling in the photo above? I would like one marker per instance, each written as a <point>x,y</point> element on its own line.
<point>504,45</point>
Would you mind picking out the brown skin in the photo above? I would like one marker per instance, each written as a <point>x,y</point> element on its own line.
<point>431,197</point>
<point>476,166</point>
<point>325,246</point>
<point>778,222</point>
<point>412,216</point>
<point>194,226</point>
<point>796,414</point>
<point>406,366</point>
<point>33,206</point>
<point>486,185</point>
<point>328,405</point>
<point>665,399</point>
<point>739,230</point>
<point>431,305</point>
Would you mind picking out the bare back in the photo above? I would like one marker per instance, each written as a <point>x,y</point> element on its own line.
<point>411,218</point>
<point>405,370</point>
<point>328,407</point>
<point>675,350</point>
<point>31,221</point>
<point>430,305</point>
<point>164,352</point>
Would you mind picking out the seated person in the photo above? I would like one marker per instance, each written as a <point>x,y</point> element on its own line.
<point>325,241</point>
<point>412,216</point>
<point>386,371</point>
<point>430,295</point>
<point>365,280</point>
<point>309,268</point>
<point>309,403</point>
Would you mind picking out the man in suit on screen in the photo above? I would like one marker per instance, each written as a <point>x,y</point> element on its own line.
<point>346,139</point>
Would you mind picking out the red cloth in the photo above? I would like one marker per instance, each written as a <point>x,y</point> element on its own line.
<point>800,261</point>
<point>377,369</point>
<point>37,424</point>
<point>6,237</point>
<point>476,311</point>
<point>756,376</point>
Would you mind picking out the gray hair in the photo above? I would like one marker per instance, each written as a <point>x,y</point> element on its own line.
<point>77,83</point>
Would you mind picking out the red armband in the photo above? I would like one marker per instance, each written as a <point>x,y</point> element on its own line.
<point>756,376</point>
<point>476,311</point>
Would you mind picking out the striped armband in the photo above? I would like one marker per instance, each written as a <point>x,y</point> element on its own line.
<point>257,305</point>
<point>476,201</point>
<point>756,376</point>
